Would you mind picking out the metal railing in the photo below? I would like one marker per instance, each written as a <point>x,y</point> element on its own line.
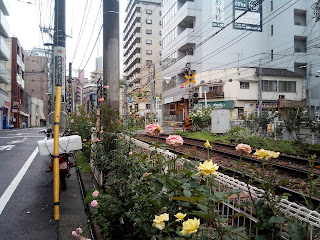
<point>234,204</point>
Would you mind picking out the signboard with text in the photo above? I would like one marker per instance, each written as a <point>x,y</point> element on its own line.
<point>252,20</point>
<point>218,13</point>
<point>60,70</point>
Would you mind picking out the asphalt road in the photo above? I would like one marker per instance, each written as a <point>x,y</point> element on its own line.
<point>26,196</point>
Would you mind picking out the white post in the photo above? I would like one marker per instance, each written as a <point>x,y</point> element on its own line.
<point>205,99</point>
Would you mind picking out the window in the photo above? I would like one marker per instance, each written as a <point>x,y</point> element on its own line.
<point>149,52</point>
<point>244,85</point>
<point>160,23</point>
<point>149,11</point>
<point>271,30</point>
<point>136,106</point>
<point>149,21</point>
<point>300,17</point>
<point>148,41</point>
<point>269,86</point>
<point>148,63</point>
<point>271,54</point>
<point>148,106</point>
<point>300,44</point>
<point>160,32</point>
<point>138,9</point>
<point>149,31</point>
<point>271,5</point>
<point>287,86</point>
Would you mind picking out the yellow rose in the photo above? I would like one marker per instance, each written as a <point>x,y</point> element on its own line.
<point>274,154</point>
<point>207,168</point>
<point>261,154</point>
<point>180,216</point>
<point>190,226</point>
<point>207,144</point>
<point>158,221</point>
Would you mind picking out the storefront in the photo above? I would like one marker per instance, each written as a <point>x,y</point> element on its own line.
<point>4,114</point>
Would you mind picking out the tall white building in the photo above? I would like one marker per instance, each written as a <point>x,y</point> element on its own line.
<point>5,101</point>
<point>210,36</point>
<point>142,54</point>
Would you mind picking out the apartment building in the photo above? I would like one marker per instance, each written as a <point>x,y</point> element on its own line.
<point>142,55</point>
<point>36,82</point>
<point>224,34</point>
<point>5,101</point>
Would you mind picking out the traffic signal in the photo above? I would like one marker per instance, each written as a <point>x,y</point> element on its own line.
<point>195,98</point>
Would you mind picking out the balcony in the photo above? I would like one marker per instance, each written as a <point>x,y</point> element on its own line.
<point>179,64</point>
<point>134,28</point>
<point>4,26</point>
<point>135,69</point>
<point>4,7</point>
<point>20,80</point>
<point>186,40</point>
<point>4,49</point>
<point>187,15</point>
<point>130,50</point>
<point>4,73</point>
<point>132,61</point>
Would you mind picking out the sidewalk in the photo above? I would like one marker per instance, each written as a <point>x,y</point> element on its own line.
<point>72,208</point>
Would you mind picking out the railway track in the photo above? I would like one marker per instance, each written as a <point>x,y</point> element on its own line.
<point>225,156</point>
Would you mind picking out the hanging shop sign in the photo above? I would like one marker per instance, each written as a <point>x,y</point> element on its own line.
<point>252,20</point>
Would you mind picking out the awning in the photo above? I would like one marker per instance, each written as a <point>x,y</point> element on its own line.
<point>42,116</point>
<point>24,114</point>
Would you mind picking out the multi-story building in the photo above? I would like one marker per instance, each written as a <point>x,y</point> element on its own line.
<point>5,101</point>
<point>77,88</point>
<point>213,35</point>
<point>36,81</point>
<point>16,88</point>
<point>142,54</point>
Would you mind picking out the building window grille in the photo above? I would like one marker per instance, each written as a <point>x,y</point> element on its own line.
<point>269,86</point>
<point>271,5</point>
<point>149,31</point>
<point>148,41</point>
<point>149,52</point>
<point>148,106</point>
<point>149,21</point>
<point>244,85</point>
<point>148,63</point>
<point>271,30</point>
<point>271,54</point>
<point>148,11</point>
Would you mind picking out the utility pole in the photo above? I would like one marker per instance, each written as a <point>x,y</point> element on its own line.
<point>309,89</point>
<point>59,56</point>
<point>111,74</point>
<point>152,90</point>
<point>70,95</point>
<point>260,89</point>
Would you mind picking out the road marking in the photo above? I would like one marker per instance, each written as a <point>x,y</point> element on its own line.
<point>17,141</point>
<point>15,182</point>
<point>7,147</point>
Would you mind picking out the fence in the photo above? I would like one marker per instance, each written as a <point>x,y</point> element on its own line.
<point>246,214</point>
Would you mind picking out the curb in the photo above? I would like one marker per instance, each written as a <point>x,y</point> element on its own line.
<point>86,182</point>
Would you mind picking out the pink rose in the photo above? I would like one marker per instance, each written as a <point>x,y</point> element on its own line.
<point>153,129</point>
<point>106,87</point>
<point>243,148</point>
<point>79,230</point>
<point>174,140</point>
<point>97,139</point>
<point>101,131</point>
<point>94,203</point>
<point>75,234</point>
<point>95,194</point>
<point>130,153</point>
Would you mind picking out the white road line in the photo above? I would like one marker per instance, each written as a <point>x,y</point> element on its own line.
<point>15,182</point>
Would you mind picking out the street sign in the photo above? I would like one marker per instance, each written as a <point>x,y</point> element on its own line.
<point>60,70</point>
<point>205,89</point>
<point>181,86</point>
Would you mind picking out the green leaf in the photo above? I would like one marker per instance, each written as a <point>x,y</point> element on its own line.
<point>157,187</point>
<point>260,238</point>
<point>297,231</point>
<point>276,219</point>
<point>186,186</point>
<point>203,237</point>
<point>167,186</point>
<point>203,207</point>
<point>187,193</point>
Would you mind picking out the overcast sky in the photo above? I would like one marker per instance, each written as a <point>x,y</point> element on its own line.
<point>26,18</point>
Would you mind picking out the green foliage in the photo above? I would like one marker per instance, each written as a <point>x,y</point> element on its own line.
<point>201,118</point>
<point>83,163</point>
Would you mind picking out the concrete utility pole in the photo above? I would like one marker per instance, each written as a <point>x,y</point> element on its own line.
<point>152,90</point>
<point>59,53</point>
<point>111,74</point>
<point>260,89</point>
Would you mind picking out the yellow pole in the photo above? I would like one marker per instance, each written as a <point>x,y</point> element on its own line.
<point>56,173</point>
